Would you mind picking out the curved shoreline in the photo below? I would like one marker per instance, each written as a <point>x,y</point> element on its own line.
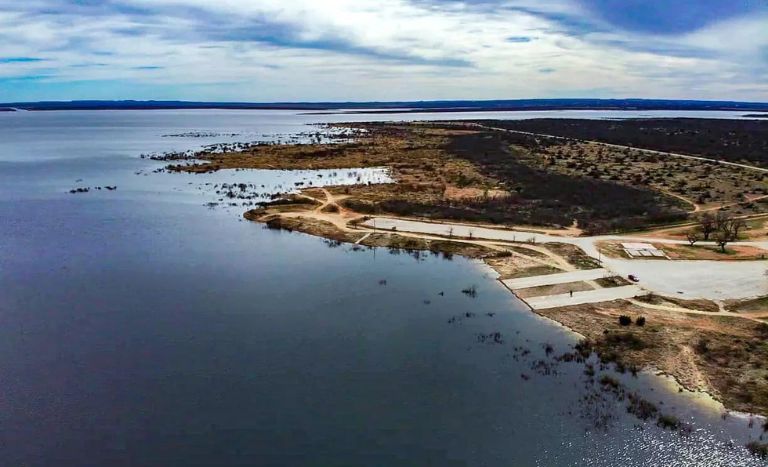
<point>478,249</point>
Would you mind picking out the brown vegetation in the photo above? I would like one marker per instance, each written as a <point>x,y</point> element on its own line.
<point>727,357</point>
<point>731,140</point>
<point>555,289</point>
<point>573,254</point>
<point>695,304</point>
<point>330,231</point>
<point>466,174</point>
<point>702,185</point>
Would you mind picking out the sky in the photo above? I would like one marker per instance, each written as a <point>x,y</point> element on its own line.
<point>382,50</point>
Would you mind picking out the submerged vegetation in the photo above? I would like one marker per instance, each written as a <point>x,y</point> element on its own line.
<point>722,355</point>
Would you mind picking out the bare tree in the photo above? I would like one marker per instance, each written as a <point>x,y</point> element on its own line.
<point>737,226</point>
<point>722,238</point>
<point>728,229</point>
<point>707,224</point>
<point>692,236</point>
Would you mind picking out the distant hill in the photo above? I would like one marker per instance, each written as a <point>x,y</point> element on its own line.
<point>408,106</point>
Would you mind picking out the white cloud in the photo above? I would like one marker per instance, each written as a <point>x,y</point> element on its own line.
<point>375,49</point>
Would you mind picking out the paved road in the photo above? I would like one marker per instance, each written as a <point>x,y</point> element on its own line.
<point>589,296</point>
<point>552,279</point>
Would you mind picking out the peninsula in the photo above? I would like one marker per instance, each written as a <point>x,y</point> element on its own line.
<point>647,237</point>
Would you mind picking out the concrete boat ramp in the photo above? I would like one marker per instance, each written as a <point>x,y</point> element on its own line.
<point>561,278</point>
<point>578,298</point>
<point>588,296</point>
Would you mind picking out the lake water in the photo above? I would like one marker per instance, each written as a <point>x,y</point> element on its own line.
<point>143,327</point>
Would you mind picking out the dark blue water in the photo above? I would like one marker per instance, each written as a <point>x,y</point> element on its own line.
<point>141,327</point>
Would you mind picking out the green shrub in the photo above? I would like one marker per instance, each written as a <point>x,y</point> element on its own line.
<point>625,320</point>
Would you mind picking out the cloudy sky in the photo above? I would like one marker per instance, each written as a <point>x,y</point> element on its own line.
<point>314,50</point>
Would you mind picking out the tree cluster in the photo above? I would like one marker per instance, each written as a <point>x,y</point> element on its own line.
<point>721,228</point>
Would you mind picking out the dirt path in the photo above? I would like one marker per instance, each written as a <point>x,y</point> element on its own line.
<point>696,207</point>
<point>689,311</point>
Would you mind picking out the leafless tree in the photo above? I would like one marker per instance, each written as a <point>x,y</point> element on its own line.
<point>707,225</point>
<point>728,229</point>
<point>692,236</point>
<point>737,226</point>
<point>722,238</point>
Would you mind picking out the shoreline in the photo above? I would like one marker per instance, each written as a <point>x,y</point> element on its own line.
<point>462,247</point>
<point>435,172</point>
<point>709,398</point>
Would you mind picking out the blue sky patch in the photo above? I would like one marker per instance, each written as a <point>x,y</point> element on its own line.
<point>20,59</point>
<point>669,16</point>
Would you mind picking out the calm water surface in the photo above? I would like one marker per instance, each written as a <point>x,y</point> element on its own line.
<point>141,327</point>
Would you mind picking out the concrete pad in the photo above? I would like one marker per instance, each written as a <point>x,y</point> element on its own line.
<point>638,246</point>
<point>590,296</point>
<point>560,278</point>
<point>713,280</point>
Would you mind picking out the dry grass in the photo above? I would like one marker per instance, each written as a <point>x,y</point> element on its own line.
<point>527,251</point>
<point>436,176</point>
<point>697,304</point>
<point>573,255</point>
<point>612,249</point>
<point>733,252</point>
<point>515,268</point>
<point>414,153</point>
<point>757,229</point>
<point>448,247</point>
<point>725,356</point>
<point>699,183</point>
<point>613,281</point>
<point>456,193</point>
<point>755,305</point>
<point>303,224</point>
<point>556,289</point>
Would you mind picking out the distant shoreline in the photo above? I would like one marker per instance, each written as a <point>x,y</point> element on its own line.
<point>452,106</point>
<point>530,109</point>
